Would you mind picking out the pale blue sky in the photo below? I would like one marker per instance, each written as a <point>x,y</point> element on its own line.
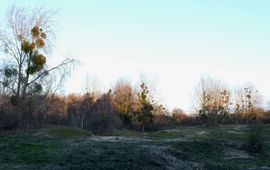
<point>173,42</point>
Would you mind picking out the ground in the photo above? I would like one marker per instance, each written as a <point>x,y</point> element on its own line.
<point>56,147</point>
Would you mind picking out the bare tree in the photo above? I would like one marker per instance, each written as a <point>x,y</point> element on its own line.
<point>247,101</point>
<point>104,118</point>
<point>25,42</point>
<point>159,109</point>
<point>178,115</point>
<point>152,83</point>
<point>124,100</point>
<point>73,105</point>
<point>92,87</point>
<point>211,99</point>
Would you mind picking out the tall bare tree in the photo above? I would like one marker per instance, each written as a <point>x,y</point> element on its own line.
<point>25,42</point>
<point>247,101</point>
<point>211,99</point>
<point>124,100</point>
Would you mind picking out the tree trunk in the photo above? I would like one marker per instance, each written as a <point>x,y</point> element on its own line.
<point>82,121</point>
<point>27,77</point>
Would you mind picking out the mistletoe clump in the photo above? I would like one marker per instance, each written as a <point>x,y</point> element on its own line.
<point>36,60</point>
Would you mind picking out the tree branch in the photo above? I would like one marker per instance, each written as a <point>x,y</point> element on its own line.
<point>63,63</point>
<point>9,87</point>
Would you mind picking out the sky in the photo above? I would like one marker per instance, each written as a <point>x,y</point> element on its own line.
<point>170,42</point>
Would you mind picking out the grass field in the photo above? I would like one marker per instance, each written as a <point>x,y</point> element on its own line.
<point>56,147</point>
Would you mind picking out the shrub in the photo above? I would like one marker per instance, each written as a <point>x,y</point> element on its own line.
<point>254,142</point>
<point>8,120</point>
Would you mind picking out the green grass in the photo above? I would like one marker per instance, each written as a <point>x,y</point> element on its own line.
<point>166,134</point>
<point>34,152</point>
<point>68,148</point>
<point>126,133</point>
<point>67,132</point>
<point>26,149</point>
<point>163,134</point>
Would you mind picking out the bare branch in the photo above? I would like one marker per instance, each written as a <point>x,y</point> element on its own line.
<point>66,62</point>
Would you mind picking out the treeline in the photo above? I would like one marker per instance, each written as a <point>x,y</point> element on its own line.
<point>122,107</point>
<point>125,107</point>
<point>215,103</point>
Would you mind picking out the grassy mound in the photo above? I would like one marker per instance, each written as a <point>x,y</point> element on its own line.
<point>67,132</point>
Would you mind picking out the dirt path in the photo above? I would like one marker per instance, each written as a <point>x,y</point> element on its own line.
<point>132,139</point>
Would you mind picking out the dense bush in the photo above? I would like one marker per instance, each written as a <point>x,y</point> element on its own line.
<point>164,122</point>
<point>8,120</point>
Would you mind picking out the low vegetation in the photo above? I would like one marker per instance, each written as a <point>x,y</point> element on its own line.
<point>57,147</point>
